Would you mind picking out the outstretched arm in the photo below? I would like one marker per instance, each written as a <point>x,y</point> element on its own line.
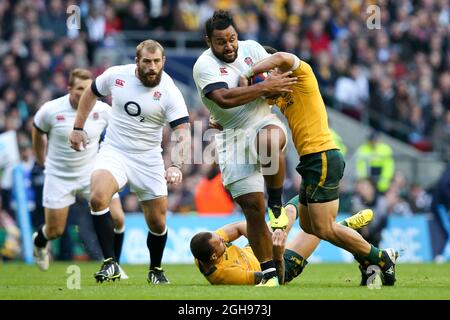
<point>237,229</point>
<point>228,98</point>
<point>281,60</point>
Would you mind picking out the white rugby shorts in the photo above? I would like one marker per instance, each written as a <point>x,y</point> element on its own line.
<point>238,158</point>
<point>61,192</point>
<point>143,171</point>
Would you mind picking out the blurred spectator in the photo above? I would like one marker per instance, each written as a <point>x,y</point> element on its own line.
<point>10,246</point>
<point>374,160</point>
<point>352,92</point>
<point>367,197</point>
<point>211,198</point>
<point>130,203</point>
<point>339,142</point>
<point>419,199</point>
<point>441,207</point>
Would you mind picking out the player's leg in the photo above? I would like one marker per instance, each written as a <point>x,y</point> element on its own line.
<point>103,187</point>
<point>258,234</point>
<point>55,223</point>
<point>155,216</point>
<point>118,217</point>
<point>322,173</point>
<point>57,195</point>
<point>271,141</point>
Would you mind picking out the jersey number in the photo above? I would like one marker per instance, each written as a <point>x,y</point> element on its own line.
<point>134,110</point>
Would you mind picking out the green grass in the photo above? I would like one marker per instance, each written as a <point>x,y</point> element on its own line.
<point>318,281</point>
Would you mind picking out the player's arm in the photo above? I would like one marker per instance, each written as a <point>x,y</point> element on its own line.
<point>78,137</point>
<point>235,275</point>
<point>181,153</point>
<point>237,229</point>
<point>228,98</point>
<point>233,231</point>
<point>39,141</point>
<point>282,60</point>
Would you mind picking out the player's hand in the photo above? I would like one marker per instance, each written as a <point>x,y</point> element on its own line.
<point>279,238</point>
<point>213,124</point>
<point>78,140</point>
<point>173,175</point>
<point>277,83</point>
<point>243,81</point>
<point>279,243</point>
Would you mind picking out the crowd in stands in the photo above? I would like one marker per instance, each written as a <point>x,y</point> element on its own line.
<point>395,78</point>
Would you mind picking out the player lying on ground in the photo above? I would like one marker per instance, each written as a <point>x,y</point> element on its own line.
<point>222,262</point>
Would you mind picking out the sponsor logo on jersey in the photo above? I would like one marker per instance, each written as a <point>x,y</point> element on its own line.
<point>223,71</point>
<point>157,95</point>
<point>95,115</point>
<point>120,83</point>
<point>248,61</point>
<point>60,117</point>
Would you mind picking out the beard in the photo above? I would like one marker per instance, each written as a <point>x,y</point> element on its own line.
<point>221,56</point>
<point>145,78</point>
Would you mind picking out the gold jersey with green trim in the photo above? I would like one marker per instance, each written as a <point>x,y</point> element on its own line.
<point>306,114</point>
<point>236,266</point>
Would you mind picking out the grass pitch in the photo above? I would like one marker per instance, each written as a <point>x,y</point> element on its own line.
<point>318,281</point>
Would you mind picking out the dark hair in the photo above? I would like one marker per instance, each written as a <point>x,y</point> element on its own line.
<point>220,20</point>
<point>200,247</point>
<point>270,50</point>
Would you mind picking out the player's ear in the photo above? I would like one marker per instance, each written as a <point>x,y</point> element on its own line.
<point>136,60</point>
<point>208,41</point>
<point>213,256</point>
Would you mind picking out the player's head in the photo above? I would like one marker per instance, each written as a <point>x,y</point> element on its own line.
<point>207,246</point>
<point>221,36</point>
<point>79,79</point>
<point>150,61</point>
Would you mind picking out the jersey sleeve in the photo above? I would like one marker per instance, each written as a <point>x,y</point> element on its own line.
<point>207,76</point>
<point>41,119</point>
<point>101,86</point>
<point>234,275</point>
<point>176,109</point>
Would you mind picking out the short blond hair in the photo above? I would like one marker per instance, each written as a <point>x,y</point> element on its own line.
<point>79,73</point>
<point>149,45</point>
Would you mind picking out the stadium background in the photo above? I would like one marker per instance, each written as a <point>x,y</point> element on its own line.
<point>395,80</point>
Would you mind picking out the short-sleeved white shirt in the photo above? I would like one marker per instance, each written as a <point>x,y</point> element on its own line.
<point>209,71</point>
<point>56,118</point>
<point>139,113</point>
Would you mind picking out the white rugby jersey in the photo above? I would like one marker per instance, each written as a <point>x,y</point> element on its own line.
<point>139,113</point>
<point>211,73</point>
<point>56,118</point>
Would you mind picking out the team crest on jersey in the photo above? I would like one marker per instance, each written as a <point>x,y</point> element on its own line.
<point>248,61</point>
<point>157,96</point>
<point>95,115</point>
<point>60,117</point>
<point>120,83</point>
<point>223,71</point>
